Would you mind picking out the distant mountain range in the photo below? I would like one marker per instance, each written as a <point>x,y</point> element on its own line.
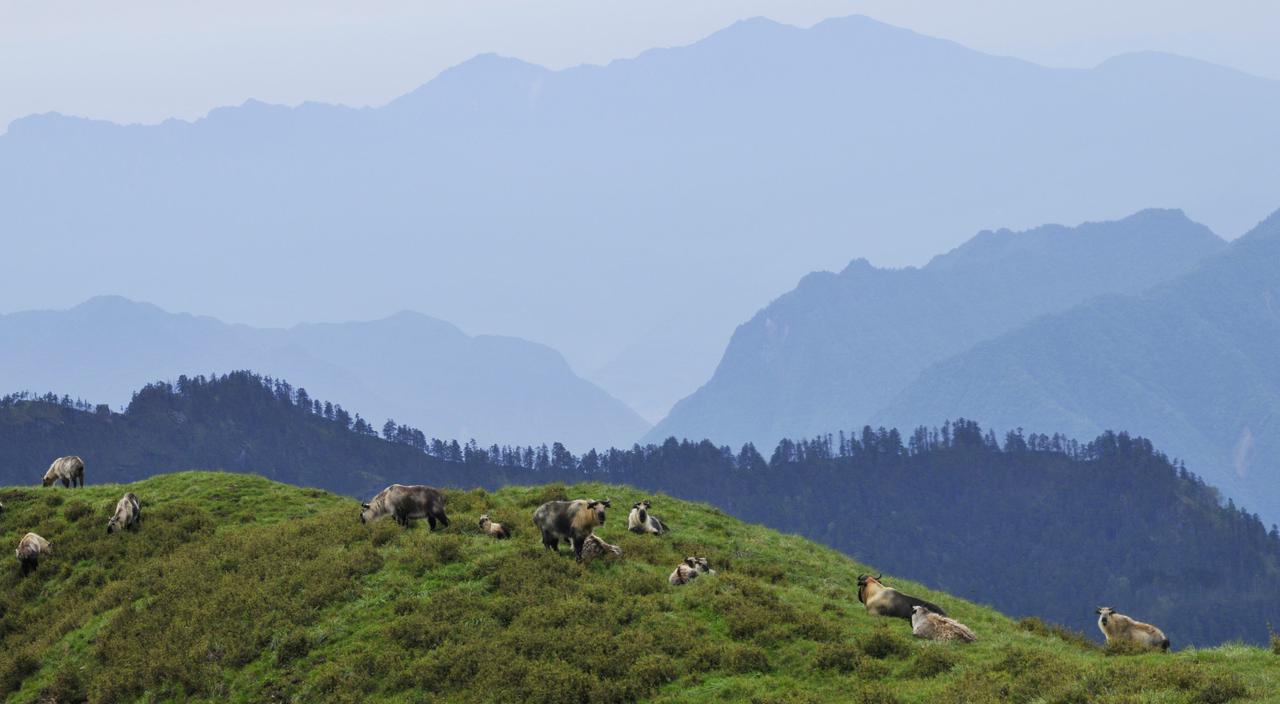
<point>628,214</point>
<point>418,370</point>
<point>839,348</point>
<point>1193,364</point>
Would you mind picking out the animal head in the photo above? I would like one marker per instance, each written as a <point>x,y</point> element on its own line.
<point>484,520</point>
<point>113,524</point>
<point>366,513</point>
<point>1105,613</point>
<point>642,505</point>
<point>597,509</point>
<point>919,610</point>
<point>865,580</point>
<point>699,564</point>
<point>49,479</point>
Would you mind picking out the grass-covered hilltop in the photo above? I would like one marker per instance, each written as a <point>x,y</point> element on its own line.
<point>236,588</point>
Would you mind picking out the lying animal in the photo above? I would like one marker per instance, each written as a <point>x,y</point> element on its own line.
<point>595,547</point>
<point>1118,627</point>
<point>689,570</point>
<point>404,503</point>
<point>573,521</point>
<point>30,549</point>
<point>497,530</point>
<point>641,521</point>
<point>68,470</point>
<point>883,601</point>
<point>926,624</point>
<point>128,514</point>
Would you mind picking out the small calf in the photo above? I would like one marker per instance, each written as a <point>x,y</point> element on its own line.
<point>689,570</point>
<point>497,530</point>
<point>595,547</point>
<point>927,624</point>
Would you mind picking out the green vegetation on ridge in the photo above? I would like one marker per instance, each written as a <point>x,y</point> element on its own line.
<point>241,589</point>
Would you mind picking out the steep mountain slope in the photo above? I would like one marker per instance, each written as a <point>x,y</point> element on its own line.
<point>1016,527</point>
<point>589,207</point>
<point>840,347</point>
<point>410,367</point>
<point>1193,364</point>
<point>335,611</point>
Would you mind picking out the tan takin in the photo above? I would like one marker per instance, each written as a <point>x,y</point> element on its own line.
<point>1120,628</point>
<point>927,624</point>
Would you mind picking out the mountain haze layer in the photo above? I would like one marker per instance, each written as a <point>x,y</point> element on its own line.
<point>418,370</point>
<point>628,214</point>
<point>1193,364</point>
<point>835,351</point>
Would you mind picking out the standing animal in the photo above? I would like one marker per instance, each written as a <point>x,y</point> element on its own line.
<point>689,570</point>
<point>573,521</point>
<point>641,521</point>
<point>406,502</point>
<point>69,470</point>
<point>30,548</point>
<point>497,530</point>
<point>926,624</point>
<point>128,514</point>
<point>594,547</point>
<point>1118,627</point>
<point>883,601</point>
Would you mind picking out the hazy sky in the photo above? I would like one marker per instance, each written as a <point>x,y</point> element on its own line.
<point>145,60</point>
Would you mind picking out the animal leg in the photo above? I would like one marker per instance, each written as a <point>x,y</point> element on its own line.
<point>431,521</point>
<point>577,547</point>
<point>444,520</point>
<point>66,483</point>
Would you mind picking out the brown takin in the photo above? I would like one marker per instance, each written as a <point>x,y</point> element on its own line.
<point>128,514</point>
<point>69,470</point>
<point>595,547</point>
<point>926,624</point>
<point>689,570</point>
<point>406,502</point>
<point>1120,628</point>
<point>883,601</point>
<point>497,530</point>
<point>573,521</point>
<point>30,550</point>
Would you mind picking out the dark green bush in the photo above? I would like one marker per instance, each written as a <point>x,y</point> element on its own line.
<point>1031,624</point>
<point>933,660</point>
<point>75,510</point>
<point>883,643</point>
<point>841,657</point>
<point>741,658</point>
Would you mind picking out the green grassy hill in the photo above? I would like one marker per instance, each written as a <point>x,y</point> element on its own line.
<point>240,589</point>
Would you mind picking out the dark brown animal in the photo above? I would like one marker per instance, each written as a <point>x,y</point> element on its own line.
<point>406,502</point>
<point>883,601</point>
<point>30,549</point>
<point>573,521</point>
<point>128,514</point>
<point>69,470</point>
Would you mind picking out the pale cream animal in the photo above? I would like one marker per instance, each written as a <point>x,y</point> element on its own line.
<point>1118,627</point>
<point>927,624</point>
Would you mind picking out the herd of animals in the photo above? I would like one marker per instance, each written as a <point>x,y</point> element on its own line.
<point>575,522</point>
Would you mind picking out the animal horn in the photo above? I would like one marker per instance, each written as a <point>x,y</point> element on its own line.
<point>879,576</point>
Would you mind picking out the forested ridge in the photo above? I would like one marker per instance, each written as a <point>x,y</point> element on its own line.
<point>1036,525</point>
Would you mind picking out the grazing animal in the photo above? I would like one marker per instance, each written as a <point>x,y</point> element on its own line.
<point>573,521</point>
<point>689,570</point>
<point>641,521</point>
<point>594,547</point>
<point>883,601</point>
<point>68,470</point>
<point>406,502</point>
<point>926,624</point>
<point>497,530</point>
<point>1118,627</point>
<point>30,549</point>
<point>128,514</point>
